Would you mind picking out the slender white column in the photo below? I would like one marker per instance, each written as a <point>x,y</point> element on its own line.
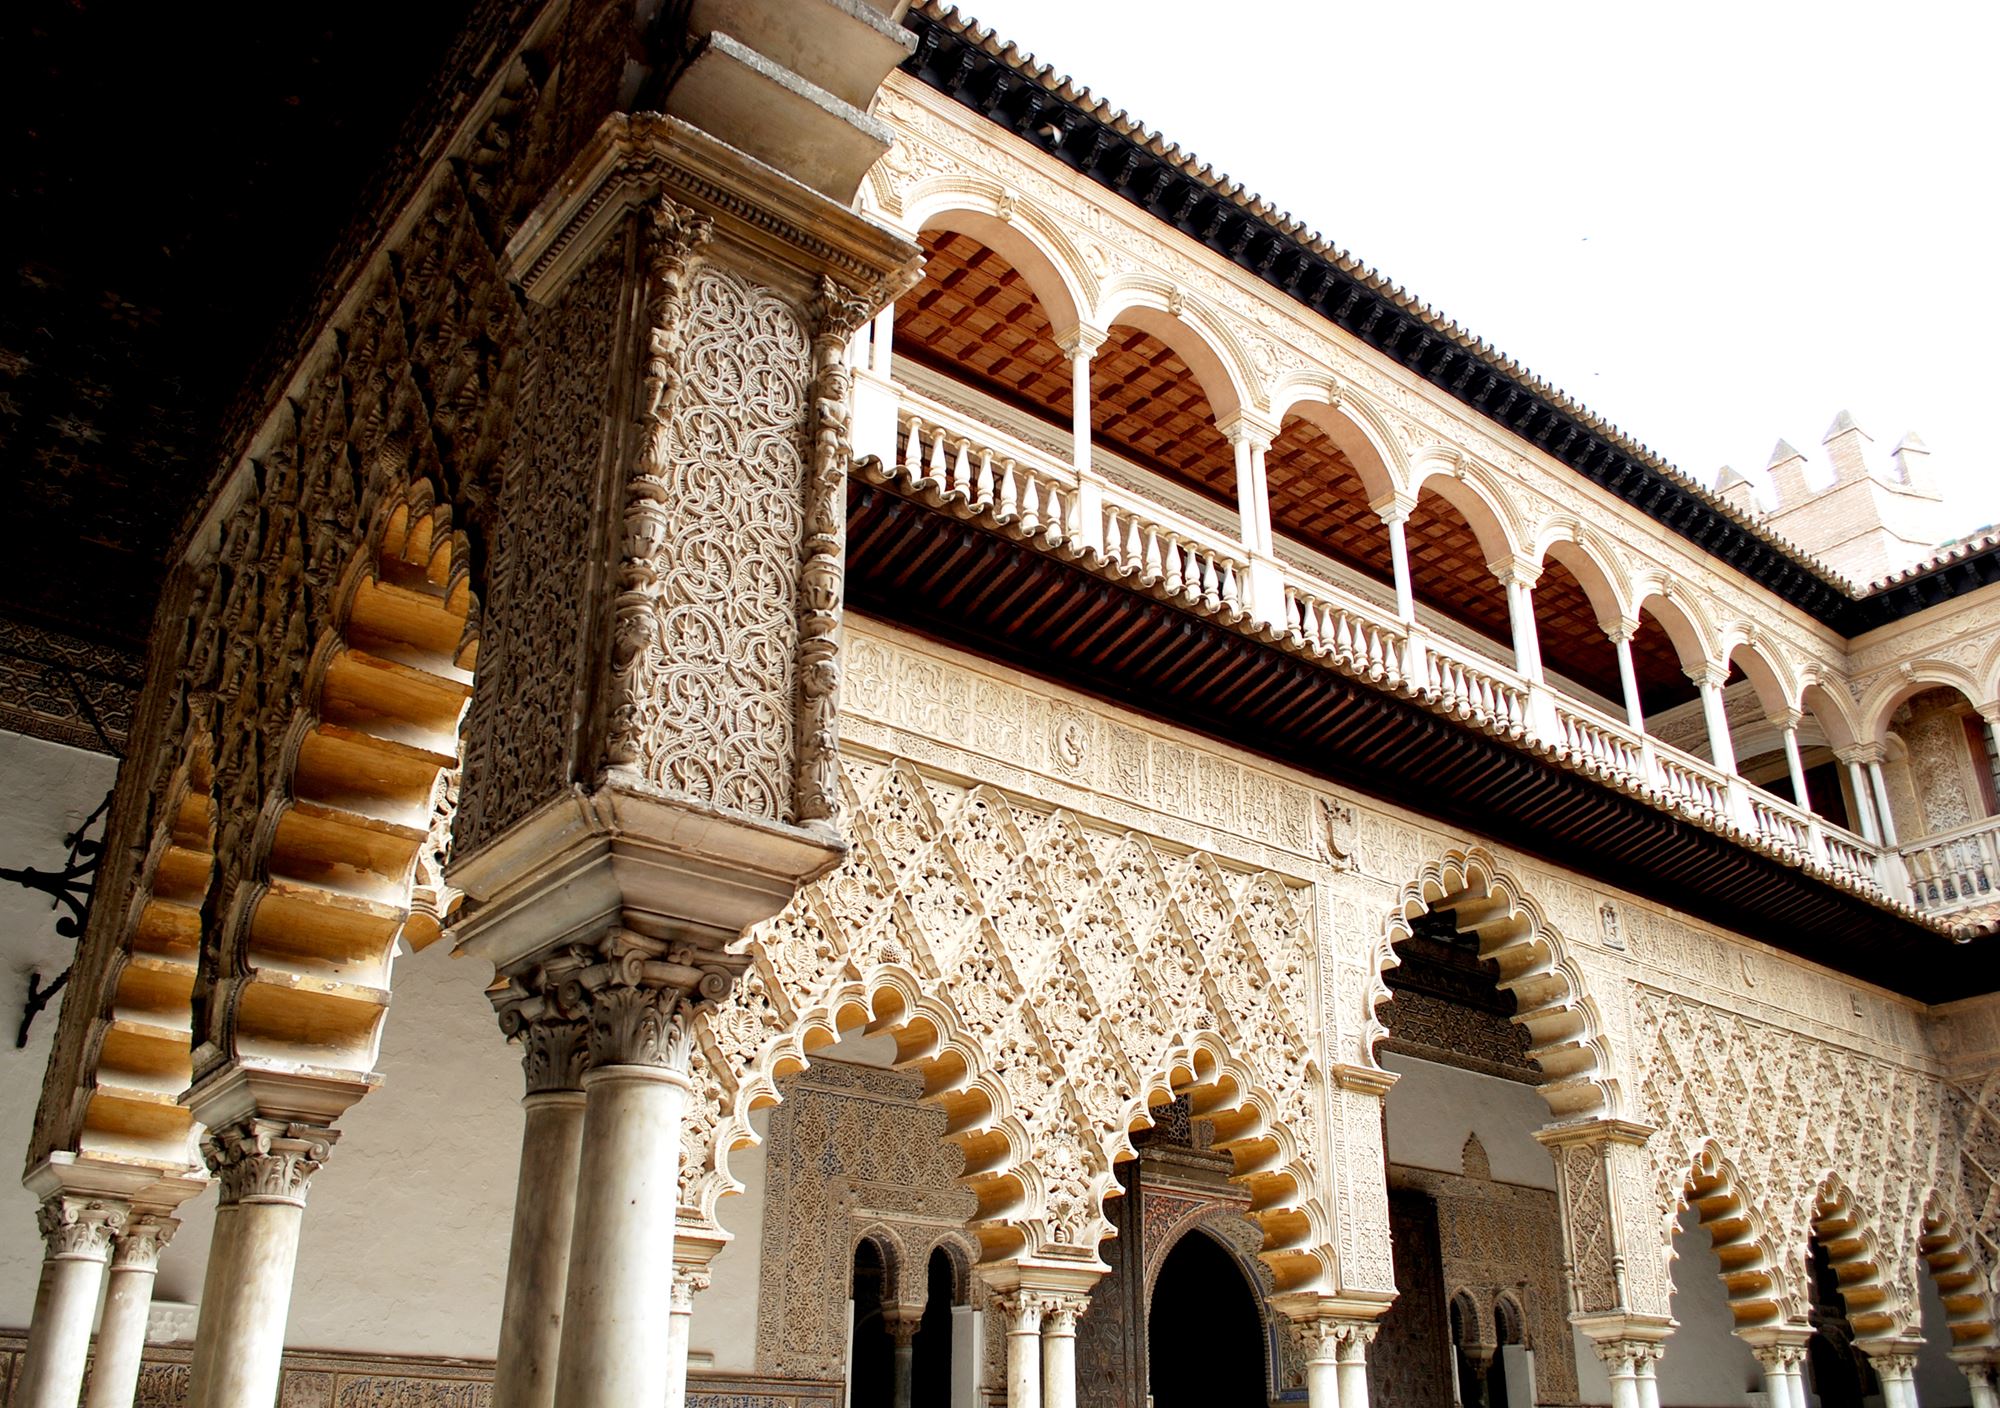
<point>1023,1310</point>
<point>1352,1355</point>
<point>1789,724</point>
<point>1521,616</point>
<point>1864,800</point>
<point>881,355</point>
<point>221,1257</point>
<point>1721,748</point>
<point>688,1283</point>
<point>1883,814</point>
<point>265,1168</point>
<point>1394,515</point>
<point>1322,1364</point>
<point>128,1299</point>
<point>76,1234</point>
<point>621,1267</point>
<point>1628,676</point>
<point>1081,345</point>
<point>1059,1350</point>
<point>1647,1364</point>
<point>1253,495</point>
<point>554,1051</point>
<point>1621,1364</point>
<point>1979,1372</point>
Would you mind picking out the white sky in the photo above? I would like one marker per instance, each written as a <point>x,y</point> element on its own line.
<point>1713,224</point>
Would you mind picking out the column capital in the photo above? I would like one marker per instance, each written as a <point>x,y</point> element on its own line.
<point>1620,631</point>
<point>144,1236</point>
<point>80,1228</point>
<point>1247,427</point>
<point>1394,508</point>
<point>1862,753</point>
<point>1060,1311</point>
<point>637,993</point>
<point>1517,571</point>
<point>1786,719</point>
<point>902,1322</point>
<point>689,1282</point>
<point>1708,675</point>
<point>267,1161</point>
<point>1990,712</point>
<point>553,1034</point>
<point>1081,341</point>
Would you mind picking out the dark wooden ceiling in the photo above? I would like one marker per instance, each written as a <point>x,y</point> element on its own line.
<point>175,176</point>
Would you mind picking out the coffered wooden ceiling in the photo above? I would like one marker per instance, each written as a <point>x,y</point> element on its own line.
<point>975,318</point>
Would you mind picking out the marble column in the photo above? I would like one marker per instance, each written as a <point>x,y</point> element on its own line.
<point>1352,1357</point>
<point>1394,516</point>
<point>1647,1364</point>
<point>1059,1314</point>
<point>1721,747</point>
<point>1080,346</point>
<point>1628,675</point>
<point>619,1296</point>
<point>1788,724</point>
<point>689,1282</point>
<point>1621,1364</point>
<point>1783,1361</point>
<point>1979,1367</point>
<point>1898,1373</point>
<point>1322,1344</point>
<point>1520,586</point>
<point>554,1050</point>
<point>128,1302</point>
<point>264,1168</point>
<point>1023,1312</point>
<point>902,1322</point>
<point>77,1232</point>
<point>1883,814</point>
<point>1864,799</point>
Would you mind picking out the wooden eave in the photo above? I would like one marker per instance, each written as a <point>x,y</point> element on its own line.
<point>930,571</point>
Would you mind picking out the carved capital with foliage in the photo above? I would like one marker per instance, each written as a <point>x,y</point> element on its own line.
<point>267,1161</point>
<point>79,1228</point>
<point>639,992</point>
<point>144,1237</point>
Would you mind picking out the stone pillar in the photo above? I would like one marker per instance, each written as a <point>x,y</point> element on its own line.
<point>1782,1353</point>
<point>128,1299</point>
<point>264,1168</point>
<point>554,1050</point>
<point>1394,513</point>
<point>77,1232</point>
<point>1898,1372</point>
<point>621,1266</point>
<point>1023,1312</point>
<point>1322,1364</point>
<point>1721,748</point>
<point>1979,1366</point>
<point>1883,813</point>
<point>1621,1362</point>
<point>1864,796</point>
<point>1080,346</point>
<point>902,1323</point>
<point>1628,676</point>
<point>1519,580</point>
<point>1352,1359</point>
<point>1648,1364</point>
<point>1059,1314</point>
<point>1788,724</point>
<point>690,1281</point>
<point>1253,500</point>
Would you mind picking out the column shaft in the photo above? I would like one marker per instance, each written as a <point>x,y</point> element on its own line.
<point>1322,1370</point>
<point>128,1300</point>
<point>687,1283</point>
<point>1720,746</point>
<point>1864,802</point>
<point>1883,814</point>
<point>221,1253</point>
<point>1797,766</point>
<point>250,1322</point>
<point>1399,559</point>
<point>77,1233</point>
<point>1024,1351</point>
<point>1354,1365</point>
<point>620,1287</point>
<point>531,1317</point>
<point>1628,677</point>
<point>1059,1352</point>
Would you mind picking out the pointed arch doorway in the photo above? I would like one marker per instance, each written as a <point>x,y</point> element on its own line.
<point>1204,1337</point>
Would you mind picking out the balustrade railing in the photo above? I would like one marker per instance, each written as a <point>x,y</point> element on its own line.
<point>946,451</point>
<point>1955,869</point>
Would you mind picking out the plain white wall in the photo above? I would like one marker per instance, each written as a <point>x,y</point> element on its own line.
<point>46,790</point>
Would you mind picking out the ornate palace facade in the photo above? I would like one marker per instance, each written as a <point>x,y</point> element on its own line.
<point>1065,797</point>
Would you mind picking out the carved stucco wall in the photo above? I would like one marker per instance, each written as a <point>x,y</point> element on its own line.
<point>1934,786</point>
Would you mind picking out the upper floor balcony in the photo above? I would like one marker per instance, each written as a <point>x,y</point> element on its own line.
<point>1128,449</point>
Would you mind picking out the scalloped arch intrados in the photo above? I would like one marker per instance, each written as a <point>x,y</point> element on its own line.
<point>1963,1285</point>
<point>1565,1037</point>
<point>1846,1231</point>
<point>1761,1287</point>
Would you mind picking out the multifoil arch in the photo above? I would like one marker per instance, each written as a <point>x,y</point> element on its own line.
<point>1563,1022</point>
<point>1051,979</point>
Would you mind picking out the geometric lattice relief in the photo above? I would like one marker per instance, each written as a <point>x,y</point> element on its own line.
<point>852,1152</point>
<point>1051,979</point>
<point>1790,1115</point>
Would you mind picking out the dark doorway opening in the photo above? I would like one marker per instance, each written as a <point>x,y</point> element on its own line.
<point>872,1367</point>
<point>1205,1337</point>
<point>931,1377</point>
